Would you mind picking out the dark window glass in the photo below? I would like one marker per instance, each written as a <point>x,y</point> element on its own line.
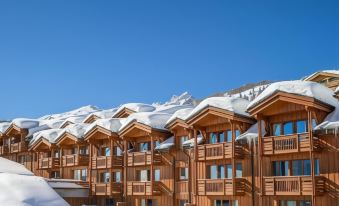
<point>276,129</point>
<point>221,137</point>
<point>316,167</point>
<point>213,138</point>
<point>288,128</point>
<point>301,126</point>
<point>229,135</point>
<point>297,167</point>
<point>307,167</point>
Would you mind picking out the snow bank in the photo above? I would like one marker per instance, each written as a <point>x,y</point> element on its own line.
<point>153,119</point>
<point>19,187</point>
<point>303,88</point>
<point>232,104</point>
<point>112,124</point>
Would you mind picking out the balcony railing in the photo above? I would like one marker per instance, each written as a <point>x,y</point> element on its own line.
<point>142,158</point>
<point>18,147</point>
<point>293,185</point>
<point>107,189</point>
<point>4,150</point>
<point>218,151</point>
<point>75,160</point>
<point>287,144</point>
<point>49,163</point>
<point>143,188</point>
<point>221,186</point>
<point>106,162</point>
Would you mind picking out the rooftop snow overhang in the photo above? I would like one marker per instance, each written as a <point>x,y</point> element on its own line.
<point>67,138</point>
<point>91,118</point>
<point>99,132</point>
<point>320,75</point>
<point>14,130</point>
<point>176,123</point>
<point>285,97</point>
<point>65,124</point>
<point>41,145</point>
<point>136,129</point>
<point>202,117</point>
<point>123,113</point>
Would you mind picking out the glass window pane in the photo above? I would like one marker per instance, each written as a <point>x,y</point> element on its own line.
<point>238,172</point>
<point>235,203</point>
<point>301,126</point>
<point>213,170</point>
<point>107,151</point>
<point>221,137</point>
<point>307,167</point>
<point>213,138</point>
<point>143,202</point>
<point>276,129</point>
<point>157,175</point>
<point>291,203</point>
<point>84,175</point>
<point>275,166</point>
<point>143,175</point>
<point>225,203</point>
<point>237,133</point>
<point>316,167</point>
<point>288,128</point>
<point>221,171</point>
<point>117,176</point>
<point>305,203</point>
<point>118,151</point>
<point>296,167</point>
<point>229,171</point>
<point>314,123</point>
<point>217,202</point>
<point>229,136</point>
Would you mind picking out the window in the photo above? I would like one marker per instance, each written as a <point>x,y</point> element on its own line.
<point>294,203</point>
<point>182,140</point>
<point>305,203</point>
<point>157,175</point>
<point>148,202</point>
<point>103,177</point>
<point>84,175</point>
<point>297,167</point>
<point>157,143</point>
<point>229,135</point>
<point>110,202</point>
<point>301,126</point>
<point>117,176</point>
<point>288,128</point>
<point>237,133</point>
<point>144,175</point>
<point>213,138</point>
<point>221,137</point>
<point>229,171</point>
<point>76,174</point>
<point>316,167</point>
<point>314,123</point>
<point>307,167</point>
<point>143,146</point>
<point>280,168</point>
<point>235,203</point>
<point>184,173</point>
<point>276,129</point>
<point>107,151</point>
<point>83,151</point>
<point>55,174</point>
<point>182,202</point>
<point>222,203</point>
<point>118,151</point>
<point>217,171</point>
<point>238,172</point>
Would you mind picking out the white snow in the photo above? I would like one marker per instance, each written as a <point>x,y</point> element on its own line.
<point>50,135</point>
<point>4,126</point>
<point>336,90</point>
<point>112,124</point>
<point>77,130</point>
<point>183,99</point>
<point>26,123</point>
<point>190,143</point>
<point>180,114</point>
<point>153,119</point>
<point>251,134</point>
<point>323,71</point>
<point>303,88</point>
<point>74,119</point>
<point>103,114</point>
<point>19,187</point>
<point>136,107</point>
<point>86,110</point>
<point>331,121</point>
<point>171,109</point>
<point>166,145</point>
<point>232,104</point>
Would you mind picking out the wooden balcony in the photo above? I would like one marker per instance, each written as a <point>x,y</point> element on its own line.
<point>106,162</point>
<point>75,160</point>
<point>137,188</point>
<point>107,189</point>
<point>221,186</point>
<point>18,147</point>
<point>4,150</point>
<point>49,163</point>
<point>293,185</point>
<point>287,144</point>
<point>143,158</point>
<point>218,151</point>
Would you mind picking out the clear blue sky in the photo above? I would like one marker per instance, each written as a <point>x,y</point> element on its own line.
<point>60,55</point>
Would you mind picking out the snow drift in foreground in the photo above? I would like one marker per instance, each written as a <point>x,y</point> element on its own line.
<point>19,187</point>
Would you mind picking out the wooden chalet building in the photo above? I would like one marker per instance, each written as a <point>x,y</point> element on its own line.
<point>280,149</point>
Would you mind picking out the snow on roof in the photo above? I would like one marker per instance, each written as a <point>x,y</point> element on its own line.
<point>74,119</point>
<point>103,114</point>
<point>336,90</point>
<point>77,130</point>
<point>183,99</point>
<point>155,120</point>
<point>252,133</point>
<point>26,123</point>
<point>112,124</point>
<point>303,88</point>
<point>171,109</point>
<point>232,104</point>
<point>64,184</point>
<point>331,121</point>
<point>136,107</point>
<point>86,110</point>
<point>323,71</point>
<point>4,126</point>
<point>34,130</point>
<point>165,145</point>
<point>180,114</point>
<point>53,123</point>
<point>50,135</point>
<point>190,143</point>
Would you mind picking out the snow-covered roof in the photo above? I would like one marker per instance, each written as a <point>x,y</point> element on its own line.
<point>136,107</point>
<point>331,122</point>
<point>171,109</point>
<point>77,130</point>
<point>155,120</point>
<point>112,124</point>
<point>336,91</point>
<point>180,114</point>
<point>190,143</point>
<point>252,133</point>
<point>19,187</point>
<point>74,119</point>
<point>4,126</point>
<point>26,123</point>
<point>298,87</point>
<point>86,110</point>
<point>50,135</point>
<point>103,114</point>
<point>323,71</point>
<point>232,104</point>
<point>165,145</point>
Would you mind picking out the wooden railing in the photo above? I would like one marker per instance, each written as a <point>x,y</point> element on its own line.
<point>143,188</point>
<point>143,158</point>
<point>293,185</point>
<point>106,162</point>
<point>18,147</point>
<point>75,160</point>
<point>221,186</point>
<point>114,188</point>
<point>218,151</point>
<point>287,144</point>
<point>49,163</point>
<point>4,150</point>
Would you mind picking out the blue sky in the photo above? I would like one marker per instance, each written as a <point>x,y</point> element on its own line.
<point>60,55</point>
